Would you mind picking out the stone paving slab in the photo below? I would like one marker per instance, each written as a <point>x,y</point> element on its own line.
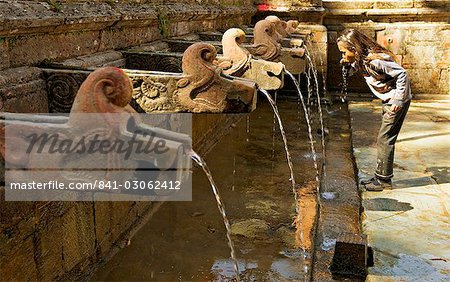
<point>408,226</point>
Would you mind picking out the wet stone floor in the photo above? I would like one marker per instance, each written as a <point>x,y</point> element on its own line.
<point>408,226</point>
<point>186,241</point>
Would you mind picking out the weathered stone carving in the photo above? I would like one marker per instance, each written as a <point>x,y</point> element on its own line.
<point>291,26</point>
<point>268,75</point>
<point>106,91</point>
<point>62,88</point>
<point>204,89</point>
<point>280,27</point>
<point>266,47</point>
<point>240,57</point>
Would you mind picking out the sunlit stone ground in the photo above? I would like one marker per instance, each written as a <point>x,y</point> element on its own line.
<point>409,226</point>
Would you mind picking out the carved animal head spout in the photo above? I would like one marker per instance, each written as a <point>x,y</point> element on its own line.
<point>280,27</point>
<point>291,26</point>
<point>106,90</point>
<point>265,44</point>
<point>268,75</point>
<point>64,147</point>
<point>204,88</point>
<point>233,51</point>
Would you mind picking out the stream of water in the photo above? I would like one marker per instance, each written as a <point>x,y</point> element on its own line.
<point>221,208</point>
<point>344,91</point>
<point>187,241</point>
<point>311,139</point>
<point>319,104</point>
<point>283,135</point>
<point>291,168</point>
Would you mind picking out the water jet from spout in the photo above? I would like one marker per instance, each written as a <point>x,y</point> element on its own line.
<point>311,139</point>
<point>220,205</point>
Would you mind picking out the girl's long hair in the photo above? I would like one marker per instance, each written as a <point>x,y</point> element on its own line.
<point>364,47</point>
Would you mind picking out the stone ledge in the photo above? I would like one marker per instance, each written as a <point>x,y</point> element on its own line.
<point>340,215</point>
<point>24,17</point>
<point>387,12</point>
<point>385,4</point>
<point>79,28</point>
<point>23,90</point>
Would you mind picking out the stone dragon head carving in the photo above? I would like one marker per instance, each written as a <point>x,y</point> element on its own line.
<point>205,89</point>
<point>233,50</point>
<point>280,27</point>
<point>291,26</point>
<point>106,90</point>
<point>265,45</point>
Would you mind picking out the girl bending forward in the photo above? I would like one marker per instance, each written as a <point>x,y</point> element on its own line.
<point>388,81</point>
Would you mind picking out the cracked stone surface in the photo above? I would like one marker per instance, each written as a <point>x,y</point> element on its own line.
<point>408,226</point>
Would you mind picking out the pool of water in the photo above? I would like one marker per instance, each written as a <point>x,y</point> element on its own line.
<point>186,241</point>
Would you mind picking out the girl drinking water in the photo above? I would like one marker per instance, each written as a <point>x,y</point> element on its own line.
<point>388,81</point>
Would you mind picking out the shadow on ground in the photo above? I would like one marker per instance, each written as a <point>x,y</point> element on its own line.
<point>385,204</point>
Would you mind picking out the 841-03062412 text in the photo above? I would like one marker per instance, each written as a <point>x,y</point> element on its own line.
<point>98,185</point>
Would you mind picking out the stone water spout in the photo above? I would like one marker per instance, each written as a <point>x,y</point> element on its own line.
<point>280,27</point>
<point>202,87</point>
<point>101,108</point>
<point>268,75</point>
<point>291,26</point>
<point>266,47</point>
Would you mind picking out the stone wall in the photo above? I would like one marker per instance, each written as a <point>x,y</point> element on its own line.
<point>37,32</point>
<point>32,32</point>
<point>62,240</point>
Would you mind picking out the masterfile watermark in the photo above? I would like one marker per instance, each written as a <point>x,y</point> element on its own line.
<point>55,143</point>
<point>85,157</point>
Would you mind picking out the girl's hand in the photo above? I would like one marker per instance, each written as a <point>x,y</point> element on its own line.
<point>395,108</point>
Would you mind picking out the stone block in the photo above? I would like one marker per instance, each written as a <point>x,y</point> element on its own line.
<point>424,80</point>
<point>432,4</point>
<point>418,34</point>
<point>19,265</point>
<point>94,60</point>
<point>181,28</point>
<point>444,81</point>
<point>350,256</point>
<point>445,35</point>
<point>66,241</point>
<point>48,47</point>
<point>390,4</point>
<point>4,54</point>
<point>22,90</point>
<point>120,38</point>
<point>335,5</point>
<point>422,56</point>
